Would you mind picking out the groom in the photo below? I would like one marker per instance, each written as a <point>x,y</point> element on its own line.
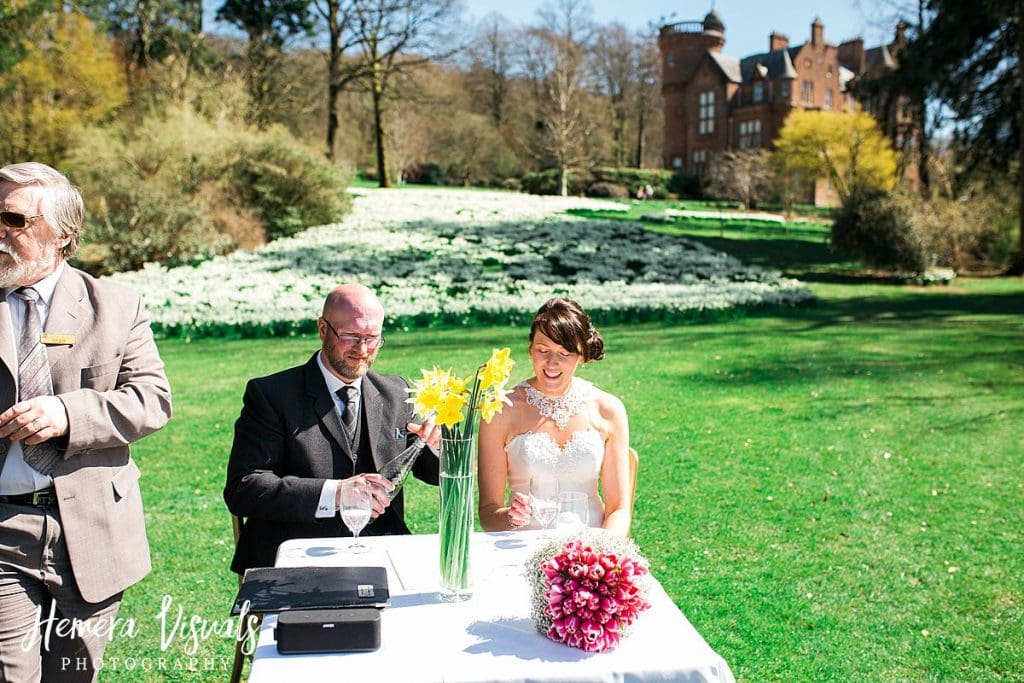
<point>305,429</point>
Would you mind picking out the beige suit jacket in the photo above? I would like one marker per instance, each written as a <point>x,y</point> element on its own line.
<point>112,381</point>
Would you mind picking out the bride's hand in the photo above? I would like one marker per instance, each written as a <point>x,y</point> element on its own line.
<point>519,511</point>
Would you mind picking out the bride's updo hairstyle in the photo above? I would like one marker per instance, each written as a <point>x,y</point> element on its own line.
<point>564,322</point>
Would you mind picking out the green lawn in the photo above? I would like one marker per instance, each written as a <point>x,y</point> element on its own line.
<point>827,492</point>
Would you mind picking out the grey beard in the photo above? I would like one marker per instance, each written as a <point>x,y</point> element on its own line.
<point>21,271</point>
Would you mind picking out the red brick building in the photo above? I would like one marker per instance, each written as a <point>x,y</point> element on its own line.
<point>714,102</point>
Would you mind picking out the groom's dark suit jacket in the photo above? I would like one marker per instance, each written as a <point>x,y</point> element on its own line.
<point>289,439</point>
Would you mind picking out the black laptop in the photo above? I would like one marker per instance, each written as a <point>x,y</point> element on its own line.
<point>278,589</point>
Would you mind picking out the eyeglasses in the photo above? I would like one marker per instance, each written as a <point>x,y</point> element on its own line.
<point>374,341</point>
<point>17,221</point>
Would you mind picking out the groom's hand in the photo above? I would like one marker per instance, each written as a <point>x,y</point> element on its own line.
<point>379,489</point>
<point>429,433</point>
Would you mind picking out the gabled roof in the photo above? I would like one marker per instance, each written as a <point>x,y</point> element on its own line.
<point>730,66</point>
<point>775,64</point>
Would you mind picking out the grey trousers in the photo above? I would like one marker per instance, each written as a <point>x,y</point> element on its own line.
<point>47,631</point>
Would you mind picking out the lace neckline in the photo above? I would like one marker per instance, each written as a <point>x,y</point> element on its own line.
<point>560,409</point>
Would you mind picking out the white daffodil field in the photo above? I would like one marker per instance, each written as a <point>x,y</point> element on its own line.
<point>456,256</point>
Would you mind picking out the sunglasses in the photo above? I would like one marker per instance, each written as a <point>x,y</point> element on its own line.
<point>17,221</point>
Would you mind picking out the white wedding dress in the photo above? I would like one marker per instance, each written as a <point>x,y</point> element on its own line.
<point>576,464</point>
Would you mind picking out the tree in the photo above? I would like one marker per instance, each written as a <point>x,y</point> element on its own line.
<point>554,57</point>
<point>16,18</point>
<point>393,38</point>
<point>849,149</point>
<point>647,102</point>
<point>969,58</point>
<point>490,66</point>
<point>152,32</point>
<point>744,176</point>
<point>269,24</point>
<point>67,78</point>
<point>614,60</point>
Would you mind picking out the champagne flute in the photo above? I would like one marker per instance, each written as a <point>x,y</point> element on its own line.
<point>356,509</point>
<point>544,500</point>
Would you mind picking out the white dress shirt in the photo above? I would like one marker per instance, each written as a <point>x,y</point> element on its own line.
<point>18,477</point>
<point>326,506</point>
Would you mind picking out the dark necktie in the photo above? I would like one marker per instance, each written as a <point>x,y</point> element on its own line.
<point>348,395</point>
<point>34,378</point>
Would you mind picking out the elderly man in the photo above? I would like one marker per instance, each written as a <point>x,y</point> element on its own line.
<point>305,429</point>
<point>80,380</point>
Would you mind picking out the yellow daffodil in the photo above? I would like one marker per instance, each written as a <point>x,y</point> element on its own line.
<point>489,408</point>
<point>449,412</point>
<point>496,371</point>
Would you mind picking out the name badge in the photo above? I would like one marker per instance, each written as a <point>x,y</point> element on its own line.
<point>57,339</point>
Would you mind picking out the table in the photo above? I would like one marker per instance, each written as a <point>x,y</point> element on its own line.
<point>490,637</point>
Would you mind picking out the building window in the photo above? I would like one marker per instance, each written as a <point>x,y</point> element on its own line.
<point>750,134</point>
<point>758,92</point>
<point>828,98</point>
<point>706,113</point>
<point>807,93</point>
<point>700,161</point>
<point>677,163</point>
<point>670,60</point>
<point>784,90</point>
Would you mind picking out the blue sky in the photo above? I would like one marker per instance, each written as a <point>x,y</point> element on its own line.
<point>747,22</point>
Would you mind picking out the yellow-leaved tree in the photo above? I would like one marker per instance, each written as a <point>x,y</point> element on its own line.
<point>848,148</point>
<point>69,77</point>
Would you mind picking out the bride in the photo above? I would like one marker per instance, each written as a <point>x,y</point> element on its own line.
<point>558,427</point>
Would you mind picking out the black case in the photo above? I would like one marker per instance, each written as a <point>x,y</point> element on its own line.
<point>309,631</point>
<point>276,589</point>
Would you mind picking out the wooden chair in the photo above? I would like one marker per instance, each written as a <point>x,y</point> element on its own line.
<point>634,466</point>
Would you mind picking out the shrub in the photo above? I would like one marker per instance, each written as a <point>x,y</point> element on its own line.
<point>878,229</point>
<point>686,186</point>
<point>179,188</point>
<point>546,182</point>
<point>607,190</point>
<point>288,185</point>
<point>632,178</point>
<point>909,233</point>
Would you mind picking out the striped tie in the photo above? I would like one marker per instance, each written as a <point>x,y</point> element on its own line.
<point>348,394</point>
<point>34,378</point>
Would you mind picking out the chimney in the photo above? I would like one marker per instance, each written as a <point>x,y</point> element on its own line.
<point>817,33</point>
<point>777,41</point>
<point>851,55</point>
<point>901,33</point>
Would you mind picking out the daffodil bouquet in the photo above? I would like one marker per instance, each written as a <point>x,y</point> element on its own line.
<point>455,403</point>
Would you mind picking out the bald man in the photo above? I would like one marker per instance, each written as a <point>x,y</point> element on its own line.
<point>304,430</point>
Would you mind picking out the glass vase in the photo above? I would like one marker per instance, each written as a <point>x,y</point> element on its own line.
<point>455,523</point>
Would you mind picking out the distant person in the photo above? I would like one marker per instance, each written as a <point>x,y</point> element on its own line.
<point>640,192</point>
<point>305,429</point>
<point>80,380</point>
<point>558,426</point>
<point>648,192</point>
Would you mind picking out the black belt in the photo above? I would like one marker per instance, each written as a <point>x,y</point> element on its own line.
<point>35,499</point>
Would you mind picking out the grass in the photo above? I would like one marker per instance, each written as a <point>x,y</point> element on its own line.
<point>831,492</point>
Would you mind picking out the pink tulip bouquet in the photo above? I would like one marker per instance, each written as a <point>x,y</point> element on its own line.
<point>588,590</point>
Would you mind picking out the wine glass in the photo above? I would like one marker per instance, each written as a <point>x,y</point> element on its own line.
<point>544,500</point>
<point>573,511</point>
<point>356,508</point>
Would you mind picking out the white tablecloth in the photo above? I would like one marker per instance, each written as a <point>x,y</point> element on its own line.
<point>490,637</point>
